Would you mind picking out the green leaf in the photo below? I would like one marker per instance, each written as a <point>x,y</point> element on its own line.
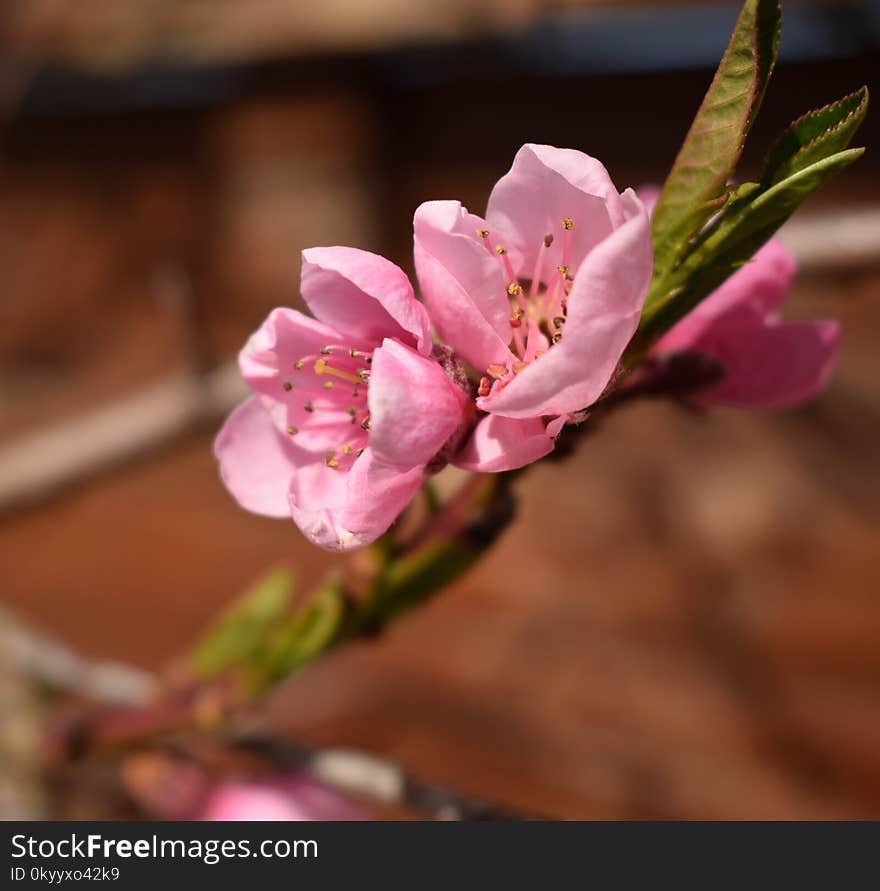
<point>816,135</point>
<point>311,630</point>
<point>696,185</point>
<point>732,243</point>
<point>241,630</point>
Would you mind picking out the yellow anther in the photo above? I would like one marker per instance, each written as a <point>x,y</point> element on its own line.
<point>328,385</point>
<point>568,223</point>
<point>548,239</point>
<point>562,268</point>
<point>299,365</point>
<point>292,430</point>
<point>309,407</point>
<point>514,289</point>
<point>518,367</point>
<point>326,351</point>
<point>347,449</point>
<point>331,462</point>
<point>499,249</point>
<point>482,233</point>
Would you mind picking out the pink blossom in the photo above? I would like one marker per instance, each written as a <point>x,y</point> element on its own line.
<point>348,407</point>
<point>294,798</point>
<point>767,363</point>
<point>541,297</point>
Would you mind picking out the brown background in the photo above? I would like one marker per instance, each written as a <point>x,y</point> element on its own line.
<point>685,621</point>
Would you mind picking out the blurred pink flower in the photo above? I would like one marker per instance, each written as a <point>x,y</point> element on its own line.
<point>767,363</point>
<point>348,407</point>
<point>541,297</point>
<point>296,798</point>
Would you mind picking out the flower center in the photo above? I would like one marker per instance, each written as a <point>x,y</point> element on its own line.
<point>333,385</point>
<point>538,306</point>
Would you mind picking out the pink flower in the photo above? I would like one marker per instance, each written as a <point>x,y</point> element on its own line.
<point>767,363</point>
<point>541,297</point>
<point>348,407</point>
<point>294,798</point>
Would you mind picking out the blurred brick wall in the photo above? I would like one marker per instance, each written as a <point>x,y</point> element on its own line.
<point>685,620</point>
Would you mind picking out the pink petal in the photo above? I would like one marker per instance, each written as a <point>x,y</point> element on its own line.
<point>256,463</point>
<point>414,407</point>
<point>462,283</point>
<point>317,496</point>
<point>544,186</point>
<point>298,797</point>
<point>342,511</point>
<point>378,494</point>
<point>363,296</point>
<point>649,196</point>
<point>768,365</point>
<point>499,443</point>
<point>603,312</point>
<point>762,284</point>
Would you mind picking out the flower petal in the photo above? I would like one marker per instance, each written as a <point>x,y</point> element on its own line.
<point>342,511</point>
<point>767,365</point>
<point>364,296</point>
<point>603,311</point>
<point>414,406</point>
<point>293,797</point>
<point>462,282</point>
<point>545,186</point>
<point>256,462</point>
<point>499,443</point>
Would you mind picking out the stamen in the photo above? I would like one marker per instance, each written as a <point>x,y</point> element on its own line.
<point>556,337</point>
<point>562,269</point>
<point>352,411</point>
<point>309,407</point>
<point>288,386</point>
<point>539,266</point>
<point>365,424</point>
<point>558,321</point>
<point>482,233</point>
<point>496,371</point>
<point>322,366</point>
<point>568,225</point>
<point>326,351</point>
<point>364,375</point>
<point>328,385</point>
<point>514,289</point>
<point>508,266</point>
<point>331,461</point>
<point>516,318</point>
<point>518,367</point>
<point>292,430</point>
<point>298,365</point>
<point>347,449</point>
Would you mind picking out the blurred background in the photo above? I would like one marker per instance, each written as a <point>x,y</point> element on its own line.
<point>685,620</point>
